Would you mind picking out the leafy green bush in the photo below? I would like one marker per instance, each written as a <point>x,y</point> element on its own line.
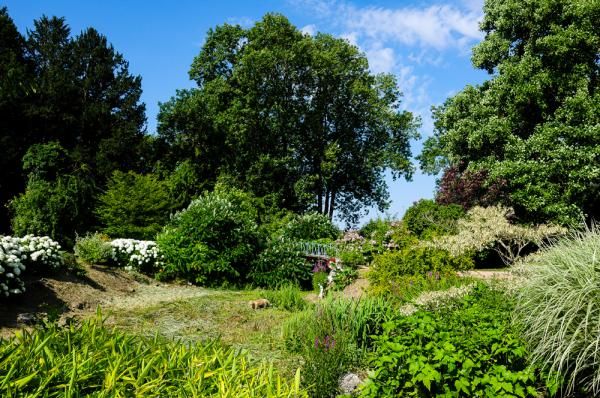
<point>469,350</point>
<point>281,262</point>
<point>319,279</point>
<point>341,277</point>
<point>134,206</point>
<point>91,360</point>
<point>309,227</point>
<point>93,248</point>
<point>404,288</point>
<point>287,297</point>
<point>351,256</point>
<point>404,274</point>
<point>213,241</point>
<point>428,219</point>
<point>58,198</point>
<point>557,309</point>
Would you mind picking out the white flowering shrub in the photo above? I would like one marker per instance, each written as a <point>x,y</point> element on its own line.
<point>138,255</point>
<point>11,266</point>
<point>42,253</point>
<point>31,253</point>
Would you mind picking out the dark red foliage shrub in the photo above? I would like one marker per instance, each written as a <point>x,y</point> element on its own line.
<point>469,188</point>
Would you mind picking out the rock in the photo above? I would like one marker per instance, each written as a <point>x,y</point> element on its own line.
<point>27,318</point>
<point>349,382</point>
<point>131,290</point>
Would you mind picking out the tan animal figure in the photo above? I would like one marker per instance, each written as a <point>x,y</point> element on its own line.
<point>260,303</point>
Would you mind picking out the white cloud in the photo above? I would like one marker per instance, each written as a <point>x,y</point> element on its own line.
<point>244,22</point>
<point>381,60</point>
<point>439,27</point>
<point>309,29</point>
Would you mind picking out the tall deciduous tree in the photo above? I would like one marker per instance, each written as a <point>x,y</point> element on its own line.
<point>291,116</point>
<point>536,123</point>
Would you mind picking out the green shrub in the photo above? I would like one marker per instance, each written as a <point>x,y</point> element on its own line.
<point>342,277</point>
<point>134,206</point>
<point>557,309</point>
<point>469,350</point>
<point>93,248</point>
<point>281,262</point>
<point>309,227</point>
<point>351,256</point>
<point>91,360</point>
<point>287,297</point>
<point>319,279</point>
<point>58,198</point>
<point>404,274</point>
<point>428,219</point>
<point>213,241</point>
<point>414,261</point>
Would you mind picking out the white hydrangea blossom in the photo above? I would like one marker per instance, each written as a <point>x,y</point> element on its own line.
<point>16,252</point>
<point>136,254</point>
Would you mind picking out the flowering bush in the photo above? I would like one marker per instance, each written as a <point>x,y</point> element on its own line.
<point>139,255</point>
<point>42,254</point>
<point>11,266</point>
<point>34,253</point>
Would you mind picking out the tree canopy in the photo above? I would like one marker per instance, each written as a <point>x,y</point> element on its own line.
<point>288,115</point>
<point>534,126</point>
<point>74,91</point>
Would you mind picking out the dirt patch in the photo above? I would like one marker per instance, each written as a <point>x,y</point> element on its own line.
<point>71,296</point>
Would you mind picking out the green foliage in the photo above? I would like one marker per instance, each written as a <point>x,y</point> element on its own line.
<point>73,90</point>
<point>134,206</point>
<point>535,123</point>
<point>213,241</point>
<point>557,310</point>
<point>351,256</point>
<point>319,279</point>
<point>58,199</point>
<point>226,124</point>
<point>427,219</point>
<point>309,227</point>
<point>467,350</point>
<point>90,359</point>
<point>287,297</point>
<point>343,277</point>
<point>359,319</point>
<point>333,337</point>
<point>93,248</point>
<point>416,260</point>
<point>404,274</point>
<point>280,263</point>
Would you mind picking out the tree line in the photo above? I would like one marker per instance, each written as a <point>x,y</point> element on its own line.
<point>298,121</point>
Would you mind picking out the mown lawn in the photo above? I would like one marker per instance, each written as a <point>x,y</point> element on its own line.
<point>220,314</point>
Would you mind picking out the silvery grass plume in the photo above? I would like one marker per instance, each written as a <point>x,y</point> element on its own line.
<point>558,309</point>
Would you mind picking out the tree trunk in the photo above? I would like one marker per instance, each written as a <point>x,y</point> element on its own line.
<point>326,210</point>
<point>331,204</point>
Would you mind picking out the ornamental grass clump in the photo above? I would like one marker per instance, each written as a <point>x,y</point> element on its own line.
<point>558,309</point>
<point>92,360</point>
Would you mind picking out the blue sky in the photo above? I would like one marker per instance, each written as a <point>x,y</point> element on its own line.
<point>426,44</point>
